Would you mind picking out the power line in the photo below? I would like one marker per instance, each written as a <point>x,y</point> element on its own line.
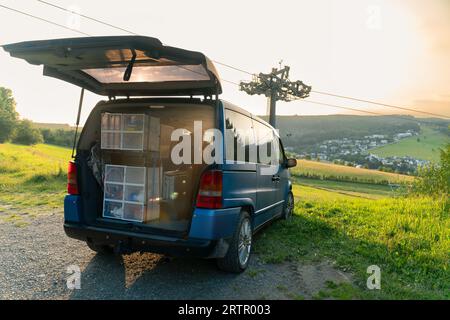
<point>128,31</point>
<point>365,111</point>
<point>87,34</point>
<point>87,17</point>
<point>231,82</point>
<point>44,20</point>
<point>215,61</point>
<point>342,107</point>
<point>234,68</point>
<point>379,103</point>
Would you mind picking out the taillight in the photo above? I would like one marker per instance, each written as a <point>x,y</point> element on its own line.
<point>72,185</point>
<point>210,190</point>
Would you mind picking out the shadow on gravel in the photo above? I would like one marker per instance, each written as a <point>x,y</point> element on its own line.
<point>152,276</point>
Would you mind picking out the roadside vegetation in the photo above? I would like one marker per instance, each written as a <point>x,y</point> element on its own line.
<point>406,235</point>
<point>32,176</point>
<point>26,132</point>
<point>351,217</point>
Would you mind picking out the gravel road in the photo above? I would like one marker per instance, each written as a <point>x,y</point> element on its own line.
<point>34,259</point>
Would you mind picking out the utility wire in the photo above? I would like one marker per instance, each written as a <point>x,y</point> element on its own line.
<point>250,73</point>
<point>231,67</point>
<point>365,111</point>
<point>379,103</point>
<point>87,34</point>
<point>44,20</point>
<point>215,61</point>
<point>341,107</point>
<point>86,17</point>
<point>129,31</point>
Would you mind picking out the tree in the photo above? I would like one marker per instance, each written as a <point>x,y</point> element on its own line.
<point>8,114</point>
<point>435,178</point>
<point>24,133</point>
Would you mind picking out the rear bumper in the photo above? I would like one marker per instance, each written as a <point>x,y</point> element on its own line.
<point>207,235</point>
<point>125,241</point>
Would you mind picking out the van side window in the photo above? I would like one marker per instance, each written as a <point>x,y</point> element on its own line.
<point>281,155</point>
<point>264,138</point>
<point>239,137</point>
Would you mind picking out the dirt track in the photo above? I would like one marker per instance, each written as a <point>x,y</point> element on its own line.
<point>34,260</point>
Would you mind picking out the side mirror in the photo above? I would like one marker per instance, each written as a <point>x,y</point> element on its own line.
<point>290,163</point>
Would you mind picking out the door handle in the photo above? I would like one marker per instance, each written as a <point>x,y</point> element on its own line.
<point>275,178</point>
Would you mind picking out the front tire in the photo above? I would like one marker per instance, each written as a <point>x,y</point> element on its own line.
<point>289,207</point>
<point>238,256</point>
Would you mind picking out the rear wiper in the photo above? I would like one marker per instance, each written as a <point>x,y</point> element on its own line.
<point>129,69</point>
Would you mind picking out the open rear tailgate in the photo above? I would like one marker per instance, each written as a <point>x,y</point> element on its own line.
<point>122,65</point>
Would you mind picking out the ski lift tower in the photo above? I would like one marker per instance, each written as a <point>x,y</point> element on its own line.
<point>275,86</point>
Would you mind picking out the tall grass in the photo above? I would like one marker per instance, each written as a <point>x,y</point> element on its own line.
<point>32,175</point>
<point>408,238</point>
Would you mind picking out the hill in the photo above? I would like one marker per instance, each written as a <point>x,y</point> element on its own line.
<point>425,146</point>
<point>301,133</point>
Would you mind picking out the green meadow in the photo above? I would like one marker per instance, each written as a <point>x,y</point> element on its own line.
<point>352,223</point>
<point>32,176</point>
<point>425,146</point>
<point>353,228</point>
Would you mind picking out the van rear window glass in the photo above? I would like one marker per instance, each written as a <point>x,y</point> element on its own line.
<point>150,74</point>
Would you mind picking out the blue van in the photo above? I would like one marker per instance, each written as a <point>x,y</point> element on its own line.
<point>168,167</point>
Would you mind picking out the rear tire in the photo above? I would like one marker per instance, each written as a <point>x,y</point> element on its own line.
<point>238,255</point>
<point>103,250</point>
<point>288,210</point>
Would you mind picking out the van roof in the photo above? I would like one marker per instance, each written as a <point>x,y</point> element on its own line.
<point>225,103</point>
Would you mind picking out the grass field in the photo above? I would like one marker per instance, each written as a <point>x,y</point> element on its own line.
<point>425,146</point>
<point>330,171</point>
<point>408,238</point>
<point>352,224</point>
<point>356,189</point>
<point>32,176</point>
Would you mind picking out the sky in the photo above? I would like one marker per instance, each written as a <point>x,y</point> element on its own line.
<point>391,51</point>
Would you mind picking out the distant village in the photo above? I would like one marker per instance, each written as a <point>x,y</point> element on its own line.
<point>356,152</point>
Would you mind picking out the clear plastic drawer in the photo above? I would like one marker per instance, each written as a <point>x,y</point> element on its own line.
<point>132,141</point>
<point>124,192</point>
<point>135,194</point>
<point>113,209</point>
<point>114,173</point>
<point>113,191</point>
<point>135,175</point>
<point>133,122</point>
<point>122,131</point>
<point>133,212</point>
